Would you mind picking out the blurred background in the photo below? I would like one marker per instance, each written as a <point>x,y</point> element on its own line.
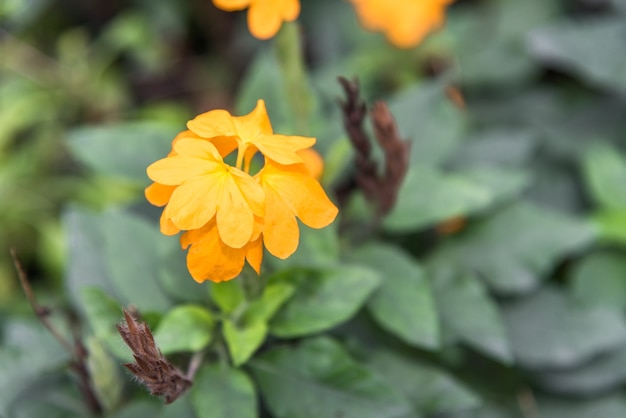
<point>91,92</point>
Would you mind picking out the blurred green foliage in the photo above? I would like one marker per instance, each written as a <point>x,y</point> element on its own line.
<point>495,288</point>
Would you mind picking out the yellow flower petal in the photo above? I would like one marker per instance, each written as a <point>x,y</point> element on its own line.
<point>313,162</point>
<point>232,5</point>
<point>172,171</point>
<point>254,124</point>
<point>282,148</point>
<point>280,232</point>
<point>193,148</point>
<point>167,226</point>
<point>213,123</point>
<point>209,258</point>
<point>194,203</point>
<point>254,255</point>
<point>159,194</point>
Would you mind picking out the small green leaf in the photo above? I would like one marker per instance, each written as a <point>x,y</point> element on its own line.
<point>323,299</point>
<point>227,295</point>
<point>243,340</point>
<point>605,173</point>
<point>185,328</point>
<point>222,392</point>
<point>273,297</point>
<point>549,330</point>
<point>317,378</point>
<point>611,225</point>
<point>106,379</point>
<point>599,280</point>
<point>403,304</point>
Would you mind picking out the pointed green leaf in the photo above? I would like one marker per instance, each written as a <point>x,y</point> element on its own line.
<point>317,378</point>
<point>185,328</point>
<point>323,299</point>
<point>403,304</point>
<point>222,392</point>
<point>243,340</point>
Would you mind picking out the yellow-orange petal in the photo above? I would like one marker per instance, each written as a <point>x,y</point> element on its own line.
<point>283,148</point>
<point>213,123</point>
<point>301,192</point>
<point>208,258</point>
<point>254,254</point>
<point>193,148</point>
<point>280,231</point>
<point>159,194</point>
<point>232,5</point>
<point>224,144</point>
<point>194,203</point>
<point>254,124</point>
<point>167,226</point>
<point>173,171</point>
<point>313,162</point>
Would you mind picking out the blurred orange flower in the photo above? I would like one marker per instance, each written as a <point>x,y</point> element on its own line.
<point>265,17</point>
<point>404,22</point>
<point>228,213</point>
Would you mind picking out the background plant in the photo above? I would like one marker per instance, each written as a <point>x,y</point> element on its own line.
<point>495,286</point>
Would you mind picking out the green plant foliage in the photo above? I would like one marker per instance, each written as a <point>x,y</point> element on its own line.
<point>403,303</point>
<point>185,328</point>
<point>223,392</point>
<point>323,299</point>
<point>310,381</point>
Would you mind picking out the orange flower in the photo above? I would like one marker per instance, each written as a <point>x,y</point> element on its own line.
<point>405,22</point>
<point>265,17</point>
<point>227,213</point>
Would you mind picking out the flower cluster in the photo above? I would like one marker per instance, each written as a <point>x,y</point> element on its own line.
<point>404,22</point>
<point>227,213</point>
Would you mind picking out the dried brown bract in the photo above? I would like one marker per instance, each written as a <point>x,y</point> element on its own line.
<point>382,189</point>
<point>151,367</point>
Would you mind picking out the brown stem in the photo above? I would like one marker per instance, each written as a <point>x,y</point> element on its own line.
<point>77,350</point>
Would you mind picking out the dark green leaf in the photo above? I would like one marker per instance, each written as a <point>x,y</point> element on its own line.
<point>600,374</point>
<point>427,118</point>
<point>427,197</point>
<point>573,46</point>
<point>431,391</point>
<point>548,330</point>
<point>599,280</point>
<point>123,150</point>
<point>323,299</point>
<point>608,406</point>
<point>470,314</point>
<point>403,304</point>
<point>222,392</point>
<point>513,249</point>
<point>185,328</point>
<point>318,379</point>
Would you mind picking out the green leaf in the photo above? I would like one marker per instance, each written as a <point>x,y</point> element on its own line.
<point>598,375</point>
<point>599,280</point>
<point>513,249</point>
<point>185,328</point>
<point>403,304</point>
<point>243,339</point>
<point>122,150</point>
<point>119,253</point>
<point>605,173</point>
<point>105,377</point>
<point>427,118</point>
<point>503,184</point>
<point>573,46</point>
<point>607,406</point>
<point>317,378</point>
<point>273,297</point>
<point>549,330</point>
<point>611,225</point>
<point>430,390</point>
<point>138,408</point>
<point>222,392</point>
<point>28,352</point>
<point>469,313</point>
<point>227,295</point>
<point>323,299</point>
<point>102,313</point>
<point>427,197</point>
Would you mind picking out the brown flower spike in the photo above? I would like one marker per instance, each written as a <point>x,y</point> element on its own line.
<point>379,189</point>
<point>151,367</point>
